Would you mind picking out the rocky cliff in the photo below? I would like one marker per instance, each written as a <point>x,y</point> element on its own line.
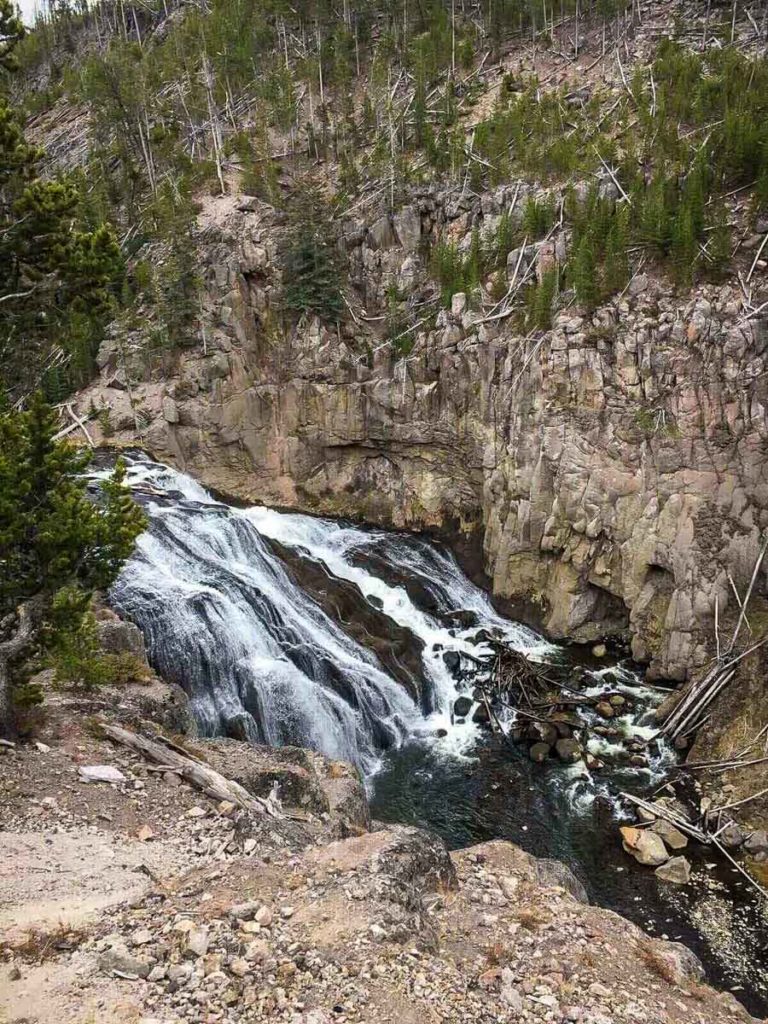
<point>613,470</point>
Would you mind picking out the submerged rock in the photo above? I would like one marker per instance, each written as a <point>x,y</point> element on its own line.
<point>539,752</point>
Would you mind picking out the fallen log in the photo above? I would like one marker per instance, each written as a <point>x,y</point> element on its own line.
<point>195,773</point>
<point>677,820</point>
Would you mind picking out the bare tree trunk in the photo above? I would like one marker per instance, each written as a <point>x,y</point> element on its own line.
<point>28,616</point>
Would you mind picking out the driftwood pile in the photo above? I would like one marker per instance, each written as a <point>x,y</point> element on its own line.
<point>543,709</point>
<point>693,709</point>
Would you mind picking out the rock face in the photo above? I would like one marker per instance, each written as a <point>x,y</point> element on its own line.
<point>612,471</point>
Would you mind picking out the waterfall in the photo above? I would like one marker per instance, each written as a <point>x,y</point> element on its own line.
<point>259,656</point>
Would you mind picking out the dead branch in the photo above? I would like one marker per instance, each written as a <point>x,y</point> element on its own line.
<point>195,773</point>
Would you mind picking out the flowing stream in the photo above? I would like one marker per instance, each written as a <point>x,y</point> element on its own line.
<point>288,629</point>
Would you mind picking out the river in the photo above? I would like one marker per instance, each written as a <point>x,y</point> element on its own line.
<point>285,628</point>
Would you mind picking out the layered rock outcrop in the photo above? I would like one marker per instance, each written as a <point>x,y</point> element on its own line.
<point>613,469</point>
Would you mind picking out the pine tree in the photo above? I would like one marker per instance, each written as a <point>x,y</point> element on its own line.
<point>52,536</point>
<point>616,272</point>
<point>582,273</point>
<point>57,278</point>
<point>311,266</point>
<point>11,31</point>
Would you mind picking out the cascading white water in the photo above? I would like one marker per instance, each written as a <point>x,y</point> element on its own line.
<point>341,548</point>
<point>259,657</point>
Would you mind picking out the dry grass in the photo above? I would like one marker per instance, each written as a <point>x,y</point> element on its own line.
<point>532,919</point>
<point>38,945</point>
<point>656,962</point>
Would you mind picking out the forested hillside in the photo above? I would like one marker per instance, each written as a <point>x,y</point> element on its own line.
<point>658,155</point>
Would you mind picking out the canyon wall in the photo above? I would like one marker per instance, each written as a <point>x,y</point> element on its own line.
<point>614,468</point>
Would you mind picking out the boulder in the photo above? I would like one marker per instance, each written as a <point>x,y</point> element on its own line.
<point>256,768</point>
<point>568,750</point>
<point>543,732</point>
<point>677,870</point>
<point>604,709</point>
<point>119,958</point>
<point>118,637</point>
<point>731,836</point>
<point>462,706</point>
<point>401,860</point>
<point>481,715</point>
<point>673,838</point>
<point>452,660</point>
<point>645,846</point>
<point>554,872</point>
<point>757,843</point>
<point>539,752</point>
<point>599,651</point>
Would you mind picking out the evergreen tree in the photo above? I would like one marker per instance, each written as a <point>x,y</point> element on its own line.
<point>311,266</point>
<point>52,536</point>
<point>582,273</point>
<point>11,31</point>
<point>56,278</point>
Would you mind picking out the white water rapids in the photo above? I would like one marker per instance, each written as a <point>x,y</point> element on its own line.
<point>259,657</point>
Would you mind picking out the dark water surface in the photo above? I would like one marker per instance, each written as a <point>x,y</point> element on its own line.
<point>501,794</point>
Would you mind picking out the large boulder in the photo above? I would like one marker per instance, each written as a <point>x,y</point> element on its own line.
<point>645,846</point>
<point>119,637</point>
<point>257,768</point>
<point>554,872</point>
<point>673,838</point>
<point>401,861</point>
<point>676,870</point>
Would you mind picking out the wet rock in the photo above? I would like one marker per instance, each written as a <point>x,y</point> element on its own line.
<point>677,870</point>
<point>646,847</point>
<point>616,700</point>
<point>452,661</point>
<point>539,752</point>
<point>462,706</point>
<point>481,715</point>
<point>543,732</point>
<point>599,651</point>
<point>673,838</point>
<point>568,750</point>
<point>604,709</point>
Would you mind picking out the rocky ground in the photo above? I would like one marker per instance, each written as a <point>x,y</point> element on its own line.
<point>141,900</point>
